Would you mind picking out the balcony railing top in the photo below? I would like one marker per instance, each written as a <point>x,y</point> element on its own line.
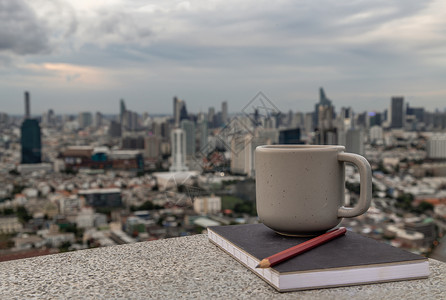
<point>187,267</point>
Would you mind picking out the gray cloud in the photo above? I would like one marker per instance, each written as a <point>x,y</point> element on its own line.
<point>207,50</point>
<point>20,30</point>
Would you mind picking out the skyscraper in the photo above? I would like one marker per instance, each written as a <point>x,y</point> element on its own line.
<point>203,129</point>
<point>224,112</point>
<point>355,141</point>
<point>30,137</point>
<point>30,141</point>
<point>177,110</point>
<point>122,110</point>
<point>323,101</point>
<point>178,140</point>
<point>27,109</point>
<point>397,113</point>
<point>189,129</point>
<point>85,119</point>
<point>211,115</point>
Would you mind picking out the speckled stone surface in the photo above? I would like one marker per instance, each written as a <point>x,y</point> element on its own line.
<point>188,267</point>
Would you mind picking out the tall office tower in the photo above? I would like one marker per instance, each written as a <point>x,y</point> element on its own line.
<point>308,122</point>
<point>178,111</point>
<point>296,120</point>
<point>290,136</point>
<point>355,141</point>
<point>323,101</point>
<point>133,142</point>
<point>30,137</point>
<point>156,129</point>
<point>152,147</point>
<point>130,120</point>
<point>203,130</point>
<point>375,119</point>
<point>376,134</point>
<point>122,110</point>
<point>362,120</point>
<point>48,119</point>
<point>85,119</point>
<point>30,141</point>
<point>27,109</point>
<point>166,130</point>
<point>224,112</point>
<point>346,118</point>
<point>178,140</point>
<point>98,119</point>
<point>326,132</point>
<point>183,112</point>
<point>189,129</point>
<point>397,113</point>
<point>211,115</point>
<point>115,129</point>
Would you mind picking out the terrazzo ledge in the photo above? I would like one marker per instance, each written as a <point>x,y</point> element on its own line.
<point>187,267</point>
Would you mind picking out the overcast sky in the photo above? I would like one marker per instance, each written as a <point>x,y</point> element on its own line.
<point>84,55</point>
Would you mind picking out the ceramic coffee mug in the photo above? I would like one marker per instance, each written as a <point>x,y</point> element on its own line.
<point>300,188</point>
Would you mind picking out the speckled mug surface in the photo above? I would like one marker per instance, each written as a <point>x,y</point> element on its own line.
<point>300,188</point>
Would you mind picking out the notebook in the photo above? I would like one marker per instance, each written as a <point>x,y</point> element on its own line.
<point>351,259</point>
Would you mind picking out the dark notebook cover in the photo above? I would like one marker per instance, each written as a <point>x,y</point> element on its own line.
<point>350,250</point>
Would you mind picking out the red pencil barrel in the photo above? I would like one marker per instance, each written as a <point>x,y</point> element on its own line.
<point>305,246</point>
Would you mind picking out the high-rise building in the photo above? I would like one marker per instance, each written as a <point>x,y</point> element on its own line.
<point>130,120</point>
<point>98,119</point>
<point>48,119</point>
<point>290,136</point>
<point>203,129</point>
<point>436,146</point>
<point>324,116</point>
<point>346,118</point>
<point>211,115</point>
<point>178,140</point>
<point>326,132</point>
<point>133,142</point>
<point>224,112</point>
<point>30,137</point>
<point>183,112</point>
<point>31,143</point>
<point>308,122</point>
<point>397,113</point>
<point>152,147</point>
<point>122,110</point>
<point>376,134</point>
<point>189,130</point>
<point>85,119</point>
<point>375,119</point>
<point>355,141</point>
<point>27,106</point>
<point>323,101</point>
<point>177,111</point>
<point>115,129</point>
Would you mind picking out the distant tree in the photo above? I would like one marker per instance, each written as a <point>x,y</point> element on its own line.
<point>14,172</point>
<point>7,211</point>
<point>17,189</point>
<point>423,207</point>
<point>23,215</point>
<point>353,187</point>
<point>65,247</point>
<point>404,201</point>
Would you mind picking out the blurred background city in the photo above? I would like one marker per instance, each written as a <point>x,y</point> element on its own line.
<point>127,121</point>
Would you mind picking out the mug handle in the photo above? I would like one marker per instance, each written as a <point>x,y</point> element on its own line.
<point>365,193</point>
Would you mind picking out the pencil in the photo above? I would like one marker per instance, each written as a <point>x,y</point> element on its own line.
<point>300,248</point>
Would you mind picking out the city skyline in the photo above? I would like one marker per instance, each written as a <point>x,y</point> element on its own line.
<point>75,56</point>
